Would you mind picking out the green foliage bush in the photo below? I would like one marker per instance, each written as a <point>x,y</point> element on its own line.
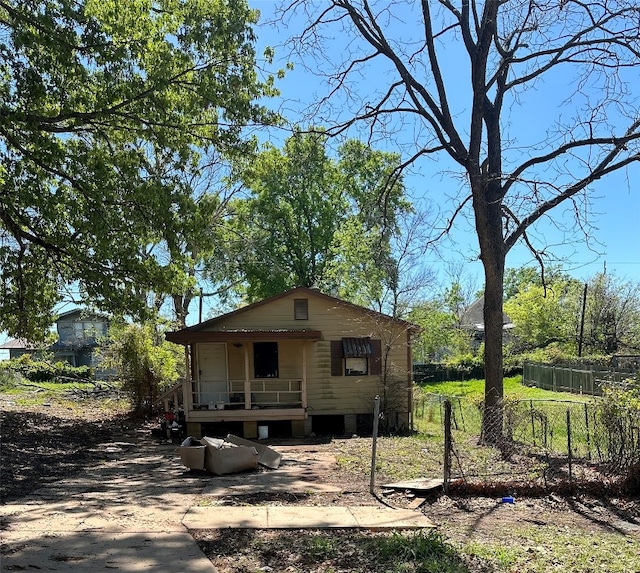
<point>145,362</point>
<point>554,354</point>
<point>465,365</point>
<point>433,372</point>
<point>619,415</point>
<point>44,369</point>
<point>9,378</point>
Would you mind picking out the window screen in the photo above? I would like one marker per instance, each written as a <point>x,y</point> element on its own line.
<point>301,309</point>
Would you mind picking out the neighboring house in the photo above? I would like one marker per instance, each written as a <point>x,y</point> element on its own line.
<point>79,334</point>
<point>295,364</point>
<point>472,320</point>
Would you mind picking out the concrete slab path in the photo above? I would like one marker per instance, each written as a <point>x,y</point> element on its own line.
<point>304,517</point>
<point>132,513</point>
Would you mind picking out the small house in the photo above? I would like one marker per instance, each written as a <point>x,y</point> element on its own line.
<point>79,334</point>
<point>472,321</point>
<point>296,364</point>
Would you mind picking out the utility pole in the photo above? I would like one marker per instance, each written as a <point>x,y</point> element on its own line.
<point>584,306</point>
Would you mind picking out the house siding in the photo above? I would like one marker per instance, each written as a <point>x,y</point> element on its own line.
<point>310,364</point>
<point>327,394</point>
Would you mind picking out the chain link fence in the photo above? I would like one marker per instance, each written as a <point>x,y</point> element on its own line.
<point>536,445</point>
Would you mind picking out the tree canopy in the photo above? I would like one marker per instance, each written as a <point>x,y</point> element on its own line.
<point>313,220</point>
<point>103,103</point>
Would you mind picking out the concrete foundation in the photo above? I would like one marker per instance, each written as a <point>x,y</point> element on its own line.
<point>350,424</point>
<point>250,430</point>
<point>307,426</point>
<point>298,428</point>
<point>194,429</point>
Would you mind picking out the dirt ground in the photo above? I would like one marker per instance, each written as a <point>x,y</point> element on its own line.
<point>40,445</point>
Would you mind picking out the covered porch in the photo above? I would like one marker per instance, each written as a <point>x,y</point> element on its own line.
<point>246,375</point>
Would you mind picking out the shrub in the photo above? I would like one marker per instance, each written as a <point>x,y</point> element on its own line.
<point>619,415</point>
<point>43,369</point>
<point>466,366</point>
<point>9,378</point>
<point>146,364</point>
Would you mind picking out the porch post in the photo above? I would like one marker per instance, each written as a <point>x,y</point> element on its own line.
<point>304,374</point>
<point>247,383</point>
<point>187,384</point>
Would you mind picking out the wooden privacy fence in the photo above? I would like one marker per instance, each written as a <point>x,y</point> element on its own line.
<point>576,379</point>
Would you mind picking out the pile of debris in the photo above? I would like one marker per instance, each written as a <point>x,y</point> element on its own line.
<point>226,456</point>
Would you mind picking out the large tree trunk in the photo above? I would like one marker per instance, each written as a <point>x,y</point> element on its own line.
<point>488,210</point>
<point>493,323</point>
<point>181,308</point>
<point>486,189</point>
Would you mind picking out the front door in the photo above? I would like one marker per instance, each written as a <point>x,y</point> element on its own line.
<point>212,372</point>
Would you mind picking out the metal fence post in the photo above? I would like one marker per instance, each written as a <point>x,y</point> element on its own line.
<point>533,424</point>
<point>569,453</point>
<point>586,423</point>
<point>447,445</point>
<point>376,415</point>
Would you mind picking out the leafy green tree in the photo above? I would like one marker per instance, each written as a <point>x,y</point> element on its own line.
<point>311,220</point>
<point>366,268</point>
<point>544,316</point>
<point>442,337</point>
<point>612,316</point>
<point>96,94</point>
<point>145,362</point>
<point>197,239</point>
<point>455,301</point>
<point>285,230</point>
<point>517,280</point>
<point>552,315</point>
<point>438,327</point>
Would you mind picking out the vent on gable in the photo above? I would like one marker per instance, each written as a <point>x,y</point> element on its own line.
<point>301,308</point>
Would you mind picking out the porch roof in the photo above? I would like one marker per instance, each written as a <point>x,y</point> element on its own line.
<point>187,336</point>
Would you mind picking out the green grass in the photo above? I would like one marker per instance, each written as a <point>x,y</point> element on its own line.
<point>557,548</point>
<point>534,416</point>
<point>72,396</point>
<point>513,389</point>
<point>398,458</point>
<point>422,551</point>
<point>329,551</point>
<point>508,548</point>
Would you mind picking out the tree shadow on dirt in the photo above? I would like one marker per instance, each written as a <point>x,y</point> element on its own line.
<point>38,449</point>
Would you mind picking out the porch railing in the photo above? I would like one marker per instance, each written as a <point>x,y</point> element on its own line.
<point>232,395</point>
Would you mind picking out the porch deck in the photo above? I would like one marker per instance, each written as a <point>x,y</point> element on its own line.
<point>256,415</point>
<point>255,399</point>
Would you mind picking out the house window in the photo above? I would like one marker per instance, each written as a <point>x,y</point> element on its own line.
<point>301,309</point>
<point>86,330</point>
<point>356,366</point>
<point>355,357</point>
<point>356,352</point>
<point>265,359</point>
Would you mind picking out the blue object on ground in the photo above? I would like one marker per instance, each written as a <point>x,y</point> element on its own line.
<point>508,499</point>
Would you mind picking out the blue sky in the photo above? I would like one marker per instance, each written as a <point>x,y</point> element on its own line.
<point>614,204</point>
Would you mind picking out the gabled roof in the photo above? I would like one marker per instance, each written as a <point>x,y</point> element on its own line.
<point>472,317</point>
<point>16,344</point>
<point>80,312</point>
<point>192,332</point>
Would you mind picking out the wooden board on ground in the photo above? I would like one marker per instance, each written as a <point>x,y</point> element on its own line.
<point>416,502</point>
<point>422,484</point>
